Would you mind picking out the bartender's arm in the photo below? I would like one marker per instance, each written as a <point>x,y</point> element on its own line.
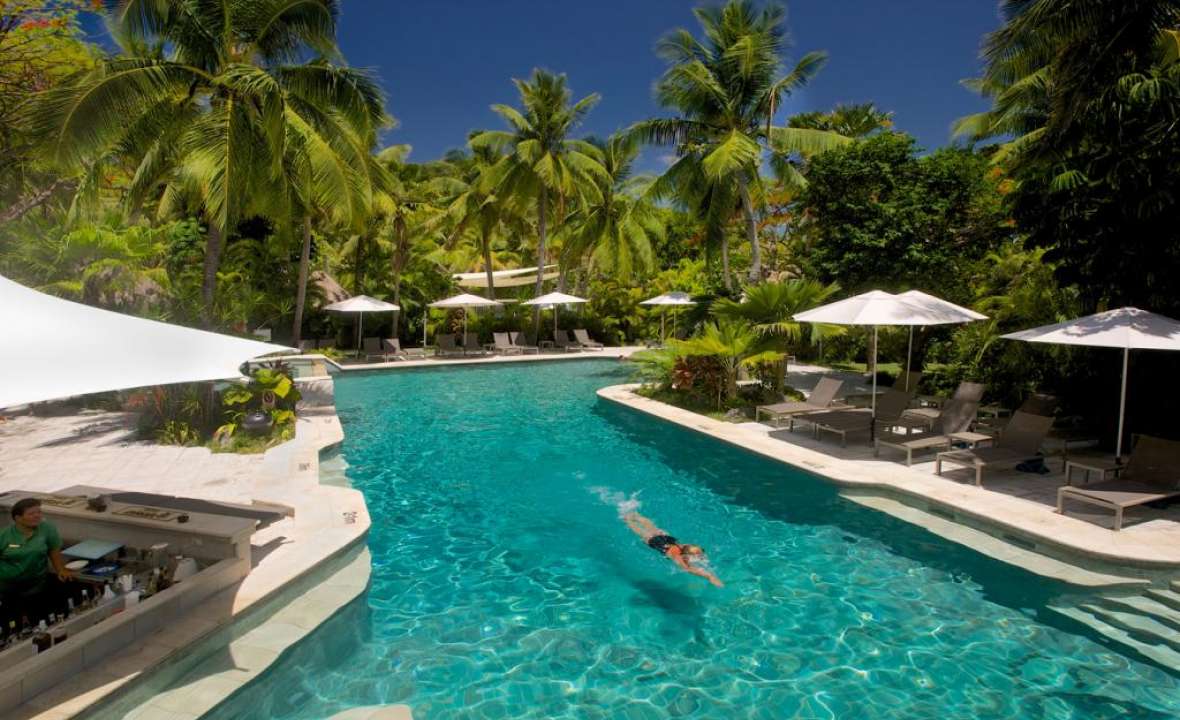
<point>59,565</point>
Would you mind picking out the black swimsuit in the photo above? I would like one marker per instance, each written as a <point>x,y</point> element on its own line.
<point>661,543</point>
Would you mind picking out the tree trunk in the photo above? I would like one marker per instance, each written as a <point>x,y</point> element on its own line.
<point>33,200</point>
<point>725,262</point>
<point>751,231</point>
<point>399,254</point>
<point>542,208</point>
<point>357,276</point>
<point>486,241</point>
<point>214,243</point>
<point>301,290</point>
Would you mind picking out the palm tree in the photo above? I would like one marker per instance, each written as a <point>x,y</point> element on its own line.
<point>854,121</point>
<point>735,344</point>
<point>477,204</point>
<point>616,227</point>
<point>726,88</point>
<point>209,118</point>
<point>542,162</point>
<point>770,308</point>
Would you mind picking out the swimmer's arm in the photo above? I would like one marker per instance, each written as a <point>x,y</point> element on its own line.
<point>688,568</point>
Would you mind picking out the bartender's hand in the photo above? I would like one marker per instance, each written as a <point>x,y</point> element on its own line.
<point>65,575</point>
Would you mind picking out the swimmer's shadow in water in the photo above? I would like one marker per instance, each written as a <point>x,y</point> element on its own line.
<point>666,598</point>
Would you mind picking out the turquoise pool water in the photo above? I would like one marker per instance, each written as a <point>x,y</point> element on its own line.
<point>505,586</point>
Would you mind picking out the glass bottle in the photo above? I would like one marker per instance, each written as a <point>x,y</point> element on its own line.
<point>41,639</point>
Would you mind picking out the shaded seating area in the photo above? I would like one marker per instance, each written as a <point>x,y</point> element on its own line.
<point>928,416</point>
<point>1019,442</point>
<point>1151,474</point>
<point>520,341</point>
<point>562,341</point>
<point>950,426</point>
<point>445,345</point>
<point>822,397</point>
<point>890,406</point>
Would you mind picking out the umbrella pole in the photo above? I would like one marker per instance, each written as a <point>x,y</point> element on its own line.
<point>873,417</point>
<point>908,354</point>
<point>663,332</point>
<point>554,323</point>
<point>425,317</point>
<point>360,325</point>
<point>1118,453</point>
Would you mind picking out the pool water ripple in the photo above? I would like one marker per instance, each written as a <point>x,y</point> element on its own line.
<point>505,587</point>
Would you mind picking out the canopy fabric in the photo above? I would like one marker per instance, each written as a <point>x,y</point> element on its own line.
<point>55,348</point>
<point>878,307</point>
<point>465,300</point>
<point>1126,328</point>
<point>670,298</point>
<point>504,278</point>
<point>555,298</point>
<point>362,304</point>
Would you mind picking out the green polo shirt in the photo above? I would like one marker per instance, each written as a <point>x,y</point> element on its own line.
<point>26,558</point>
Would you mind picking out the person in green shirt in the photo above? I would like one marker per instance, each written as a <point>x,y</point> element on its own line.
<point>28,548</point>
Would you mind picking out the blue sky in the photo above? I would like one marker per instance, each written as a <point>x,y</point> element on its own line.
<point>443,62</point>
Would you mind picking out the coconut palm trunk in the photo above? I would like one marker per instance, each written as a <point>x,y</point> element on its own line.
<point>214,243</point>
<point>725,262</point>
<point>542,209</point>
<point>486,243</point>
<point>400,251</point>
<point>301,290</point>
<point>751,230</point>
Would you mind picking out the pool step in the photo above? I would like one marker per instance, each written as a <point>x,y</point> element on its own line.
<point>1143,605</point>
<point>1147,628</point>
<point>1166,597</point>
<point>1152,647</point>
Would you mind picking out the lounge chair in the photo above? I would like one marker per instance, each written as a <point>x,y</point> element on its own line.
<point>864,399</point>
<point>1020,441</point>
<point>1152,473</point>
<point>520,341</point>
<point>954,417</point>
<point>471,344</point>
<point>503,344</point>
<point>394,349</point>
<point>823,397</point>
<point>926,416</point>
<point>445,345</point>
<point>890,406</point>
<point>583,339</point>
<point>373,348</point>
<point>561,339</point>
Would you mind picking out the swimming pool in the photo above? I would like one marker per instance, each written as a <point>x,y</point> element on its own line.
<point>505,586</point>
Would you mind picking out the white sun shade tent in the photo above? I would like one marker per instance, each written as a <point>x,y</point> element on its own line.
<point>673,299</point>
<point>877,308</point>
<point>359,305</point>
<point>1126,328</point>
<point>552,300</point>
<point>466,300</point>
<point>941,308</point>
<point>55,348</point>
<point>504,278</point>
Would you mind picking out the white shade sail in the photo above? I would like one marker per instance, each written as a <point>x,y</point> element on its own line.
<point>670,298</point>
<point>54,348</point>
<point>465,300</point>
<point>362,304</point>
<point>555,298</point>
<point>1126,328</point>
<point>504,278</point>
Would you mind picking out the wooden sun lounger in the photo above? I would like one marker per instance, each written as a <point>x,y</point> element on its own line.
<point>823,397</point>
<point>561,339</point>
<point>503,344</point>
<point>928,416</point>
<point>890,406</point>
<point>1152,473</point>
<point>583,338</point>
<point>1020,441</point>
<point>519,341</point>
<point>954,417</point>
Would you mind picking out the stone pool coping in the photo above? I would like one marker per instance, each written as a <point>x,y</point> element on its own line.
<point>1058,536</point>
<point>330,521</point>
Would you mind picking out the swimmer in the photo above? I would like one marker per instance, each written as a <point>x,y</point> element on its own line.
<point>684,555</point>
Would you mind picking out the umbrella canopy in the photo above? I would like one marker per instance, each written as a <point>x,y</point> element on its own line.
<point>674,299</point>
<point>464,300</point>
<point>552,300</point>
<point>878,307</point>
<point>1127,328</point>
<point>55,348</point>
<point>937,308</point>
<point>360,305</point>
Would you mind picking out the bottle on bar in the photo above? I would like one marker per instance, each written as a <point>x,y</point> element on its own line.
<point>41,639</point>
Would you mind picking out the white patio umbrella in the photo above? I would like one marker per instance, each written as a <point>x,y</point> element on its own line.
<point>361,304</point>
<point>877,308</point>
<point>55,348</point>
<point>947,309</point>
<point>466,300</point>
<point>674,299</point>
<point>1127,328</point>
<point>552,300</point>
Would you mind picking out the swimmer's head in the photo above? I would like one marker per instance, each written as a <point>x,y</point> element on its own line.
<point>692,551</point>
